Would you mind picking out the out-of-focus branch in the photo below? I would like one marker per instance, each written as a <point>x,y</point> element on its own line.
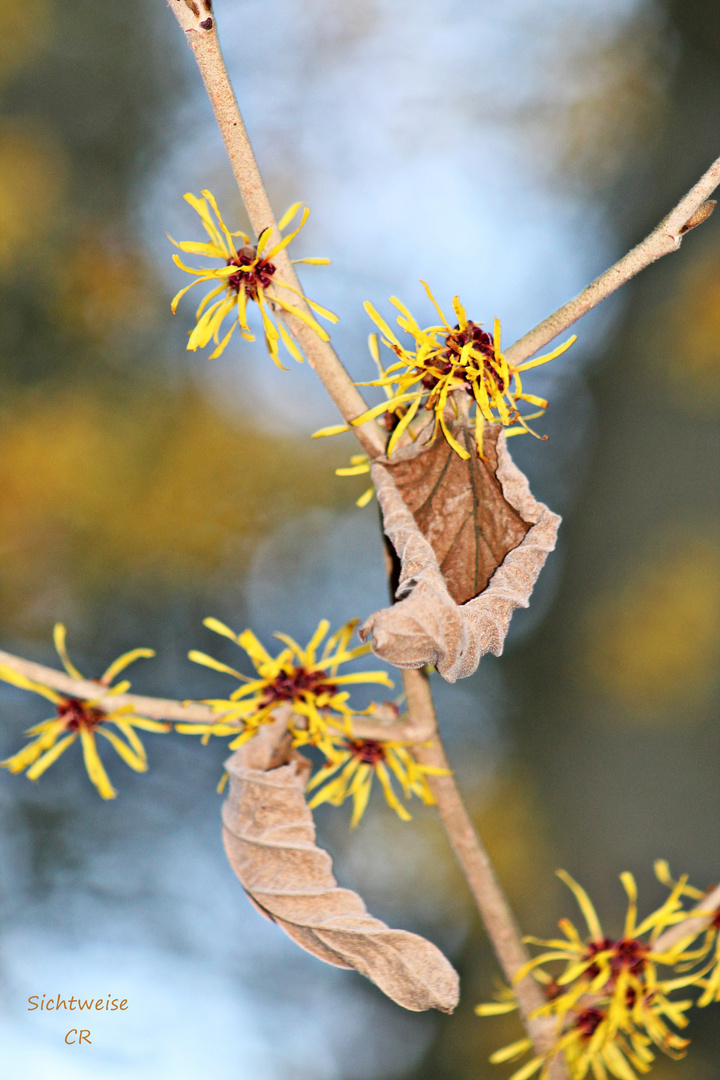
<point>693,925</point>
<point>491,901</point>
<point>197,20</point>
<point>690,212</point>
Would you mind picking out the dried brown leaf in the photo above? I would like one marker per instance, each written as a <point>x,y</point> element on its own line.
<point>439,619</point>
<point>460,508</point>
<point>269,838</point>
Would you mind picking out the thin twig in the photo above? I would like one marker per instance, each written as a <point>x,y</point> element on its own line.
<point>195,712</point>
<point>690,212</point>
<point>199,26</point>
<point>492,903</point>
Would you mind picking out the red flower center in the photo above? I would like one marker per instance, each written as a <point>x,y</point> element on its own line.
<point>628,954</point>
<point>250,280</point>
<point>77,714</point>
<point>447,361</point>
<point>290,685</point>
<point>369,751</point>
<point>482,341</point>
<point>588,1022</point>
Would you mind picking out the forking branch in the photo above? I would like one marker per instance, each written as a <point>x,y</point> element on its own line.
<point>420,727</point>
<point>692,210</point>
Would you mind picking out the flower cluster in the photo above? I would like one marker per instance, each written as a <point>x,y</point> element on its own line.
<point>612,1002</point>
<point>80,718</point>
<point>247,274</point>
<point>447,367</point>
<point>308,681</point>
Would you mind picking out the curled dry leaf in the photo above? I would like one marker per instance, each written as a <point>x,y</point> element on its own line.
<point>471,541</point>
<point>269,838</point>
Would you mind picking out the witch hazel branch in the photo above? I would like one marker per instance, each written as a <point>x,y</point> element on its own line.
<point>466,542</point>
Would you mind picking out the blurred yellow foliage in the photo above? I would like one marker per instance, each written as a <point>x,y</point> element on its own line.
<point>153,486</point>
<point>26,29</point>
<point>33,173</point>
<point>103,287</point>
<point>654,640</point>
<point>687,339</point>
<point>510,821</point>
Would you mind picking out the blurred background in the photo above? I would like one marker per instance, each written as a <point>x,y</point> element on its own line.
<point>509,152</point>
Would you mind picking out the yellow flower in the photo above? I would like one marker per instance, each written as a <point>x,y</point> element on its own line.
<point>295,676</point>
<point>592,1042</point>
<point>29,153</point>
<point>83,719</point>
<point>447,366</point>
<point>247,275</point>
<point>352,764</point>
<point>625,970</point>
<point>609,1002</point>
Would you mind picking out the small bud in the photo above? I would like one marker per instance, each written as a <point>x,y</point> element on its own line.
<point>702,213</point>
